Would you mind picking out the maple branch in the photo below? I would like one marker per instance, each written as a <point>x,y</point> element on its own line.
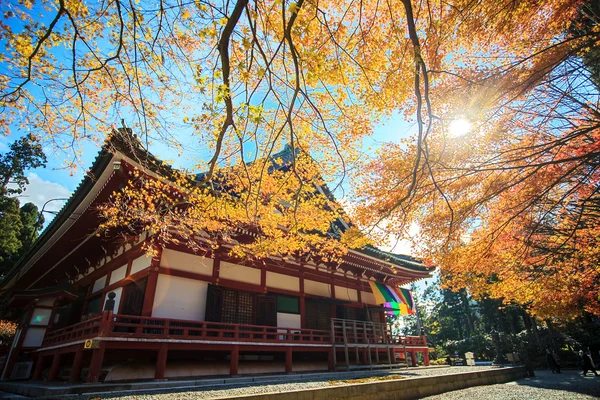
<point>223,48</point>
<point>38,46</point>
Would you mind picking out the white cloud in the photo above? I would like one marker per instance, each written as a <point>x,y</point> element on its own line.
<point>40,191</point>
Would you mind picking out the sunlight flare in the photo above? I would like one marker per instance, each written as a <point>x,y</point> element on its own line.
<point>459,127</point>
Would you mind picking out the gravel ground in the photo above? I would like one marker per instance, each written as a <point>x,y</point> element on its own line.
<point>545,386</point>
<point>260,388</point>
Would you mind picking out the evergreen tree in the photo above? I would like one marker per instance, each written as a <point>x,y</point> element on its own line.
<point>19,226</point>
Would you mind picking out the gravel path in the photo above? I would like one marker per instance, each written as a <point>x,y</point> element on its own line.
<point>545,386</point>
<point>260,388</point>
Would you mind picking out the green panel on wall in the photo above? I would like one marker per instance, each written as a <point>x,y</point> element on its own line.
<point>288,304</point>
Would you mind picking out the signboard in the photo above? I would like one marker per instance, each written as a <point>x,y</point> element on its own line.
<point>91,344</point>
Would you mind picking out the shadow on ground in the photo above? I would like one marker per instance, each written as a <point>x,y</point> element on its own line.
<point>568,381</point>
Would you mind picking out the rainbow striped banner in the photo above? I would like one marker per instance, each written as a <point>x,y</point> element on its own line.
<point>398,299</point>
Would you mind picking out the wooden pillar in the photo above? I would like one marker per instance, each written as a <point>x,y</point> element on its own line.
<point>39,367</point>
<point>77,364</point>
<point>263,278</point>
<point>426,357</point>
<point>13,354</point>
<point>161,361</point>
<point>235,361</point>
<point>106,323</point>
<point>96,364</point>
<point>413,358</point>
<point>392,352</point>
<point>288,360</point>
<point>55,367</point>
<point>150,292</point>
<point>216,269</point>
<point>330,363</point>
<point>302,303</point>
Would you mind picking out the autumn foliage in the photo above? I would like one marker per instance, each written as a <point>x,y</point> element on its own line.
<point>509,209</point>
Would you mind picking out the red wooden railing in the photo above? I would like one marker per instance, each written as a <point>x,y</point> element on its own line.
<point>416,341</point>
<point>148,327</point>
<point>362,332</point>
<point>81,330</point>
<point>343,331</point>
<point>359,332</point>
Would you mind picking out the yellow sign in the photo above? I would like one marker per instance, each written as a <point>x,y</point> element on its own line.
<point>91,344</point>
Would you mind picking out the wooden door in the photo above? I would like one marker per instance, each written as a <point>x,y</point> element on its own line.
<point>214,298</point>
<point>266,310</point>
<point>318,314</point>
<point>133,298</point>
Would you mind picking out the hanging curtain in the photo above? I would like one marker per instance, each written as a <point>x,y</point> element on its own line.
<point>399,300</point>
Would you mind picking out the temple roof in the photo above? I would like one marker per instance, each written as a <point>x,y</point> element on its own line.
<point>124,142</point>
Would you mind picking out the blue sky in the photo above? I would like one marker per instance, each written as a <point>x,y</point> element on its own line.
<point>55,181</point>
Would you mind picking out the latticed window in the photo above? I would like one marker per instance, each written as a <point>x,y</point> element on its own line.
<point>229,307</point>
<point>318,314</point>
<point>245,308</point>
<point>237,307</point>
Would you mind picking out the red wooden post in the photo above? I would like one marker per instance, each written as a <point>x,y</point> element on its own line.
<point>77,364</point>
<point>426,357</point>
<point>302,303</point>
<point>330,365</point>
<point>288,360</point>
<point>413,358</point>
<point>105,323</point>
<point>96,364</point>
<point>161,361</point>
<point>150,292</point>
<point>235,360</point>
<point>55,367</point>
<point>39,367</point>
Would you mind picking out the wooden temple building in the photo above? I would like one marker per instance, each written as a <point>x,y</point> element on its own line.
<point>97,309</point>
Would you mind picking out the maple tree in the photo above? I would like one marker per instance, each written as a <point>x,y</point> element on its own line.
<point>509,209</point>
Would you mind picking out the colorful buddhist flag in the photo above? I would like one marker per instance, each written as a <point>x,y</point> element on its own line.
<point>398,299</point>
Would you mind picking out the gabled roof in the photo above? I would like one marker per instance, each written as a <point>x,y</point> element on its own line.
<point>120,140</point>
<point>123,141</point>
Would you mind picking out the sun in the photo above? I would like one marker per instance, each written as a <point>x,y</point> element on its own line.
<point>459,127</point>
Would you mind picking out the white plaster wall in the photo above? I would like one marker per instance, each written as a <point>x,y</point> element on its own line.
<point>34,337</point>
<point>118,274</point>
<point>367,298</point>
<point>239,273</point>
<point>285,320</point>
<point>40,316</point>
<point>186,262</point>
<point>140,263</point>
<point>180,298</point>
<point>281,281</point>
<point>99,284</point>
<point>46,301</point>
<point>317,288</point>
<point>344,293</point>
<point>118,293</point>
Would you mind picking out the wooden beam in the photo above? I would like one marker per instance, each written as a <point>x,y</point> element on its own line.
<point>55,367</point>
<point>77,364</point>
<point>150,293</point>
<point>161,361</point>
<point>235,360</point>
<point>39,367</point>
<point>302,301</point>
<point>96,364</point>
<point>288,360</point>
